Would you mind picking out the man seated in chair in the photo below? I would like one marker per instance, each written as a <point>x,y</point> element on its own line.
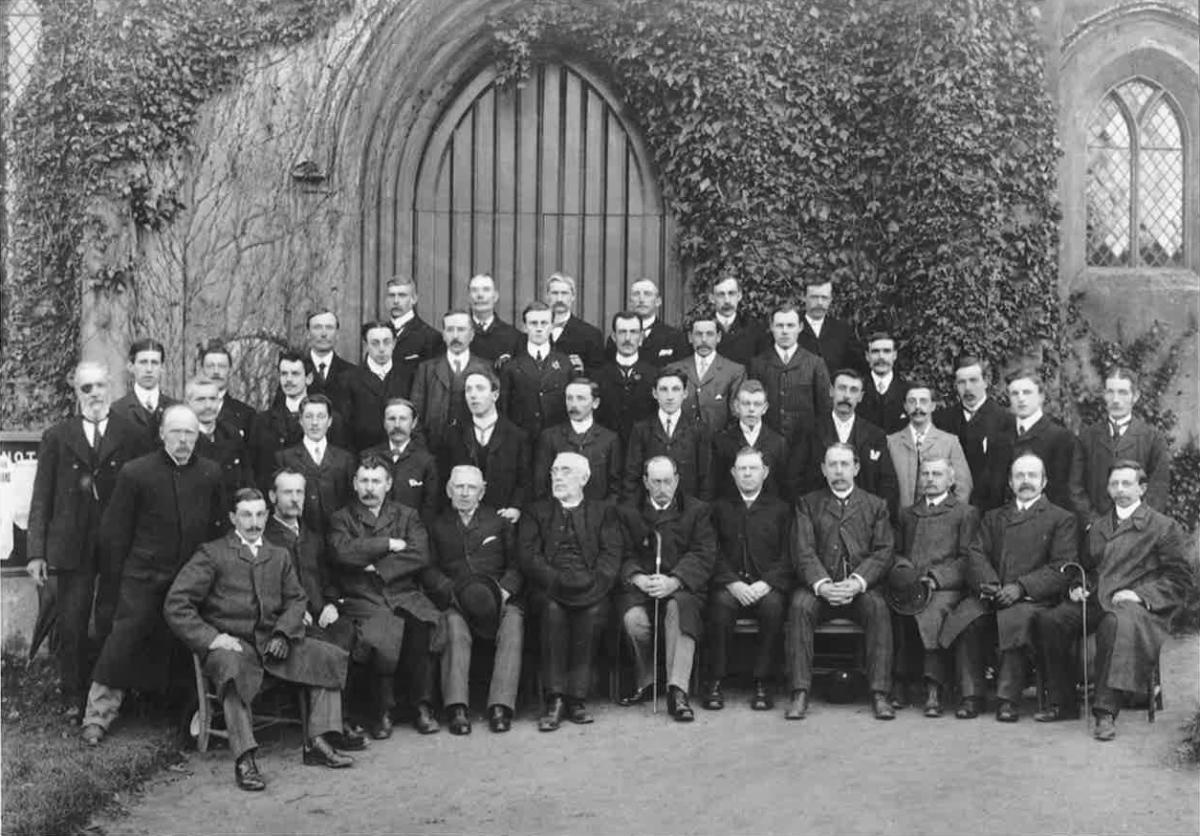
<point>1013,570</point>
<point>842,532</point>
<point>570,551</point>
<point>238,604</point>
<point>473,578</point>
<point>677,529</point>
<point>1138,576</point>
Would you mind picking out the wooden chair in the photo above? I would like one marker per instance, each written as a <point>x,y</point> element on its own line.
<point>269,708</point>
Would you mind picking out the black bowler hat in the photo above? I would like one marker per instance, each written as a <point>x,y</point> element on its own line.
<point>480,600</point>
<point>905,592</point>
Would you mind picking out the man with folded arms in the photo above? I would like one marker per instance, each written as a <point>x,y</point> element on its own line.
<point>570,551</point>
<point>239,605</point>
<point>474,579</point>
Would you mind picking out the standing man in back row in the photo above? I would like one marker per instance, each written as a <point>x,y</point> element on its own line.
<point>742,337</point>
<point>582,342</point>
<point>662,344</point>
<point>795,379</point>
<point>415,340</point>
<point>145,401</point>
<point>832,340</point>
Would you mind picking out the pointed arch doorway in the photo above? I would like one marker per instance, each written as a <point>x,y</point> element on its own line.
<point>520,182</point>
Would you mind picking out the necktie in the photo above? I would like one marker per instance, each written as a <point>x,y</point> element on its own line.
<point>151,405</point>
<point>1116,431</point>
<point>703,367</point>
<point>321,370</point>
<point>97,435</point>
<point>1021,429</point>
<point>669,425</point>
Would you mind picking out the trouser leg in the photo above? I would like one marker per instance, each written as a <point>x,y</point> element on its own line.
<point>555,641</point>
<point>456,660</point>
<point>1010,679</point>
<point>906,648</point>
<point>722,613</point>
<point>970,652</point>
<point>76,593</point>
<point>936,666</point>
<point>324,710</point>
<point>239,723</point>
<point>680,649</point>
<point>587,625</point>
<point>640,632</point>
<point>801,622</point>
<point>1058,631</point>
<point>871,611</point>
<point>417,661</point>
<point>770,611</point>
<point>1107,698</point>
<point>103,705</point>
<point>385,692</point>
<point>506,668</point>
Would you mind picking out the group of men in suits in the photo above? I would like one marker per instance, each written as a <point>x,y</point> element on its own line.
<point>460,483</point>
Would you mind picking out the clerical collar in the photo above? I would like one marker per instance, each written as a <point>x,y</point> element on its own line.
<point>580,427</point>
<point>627,362</point>
<point>843,495</point>
<point>381,371</point>
<point>751,498</point>
<point>400,321</point>
<point>1125,513</point>
<point>571,506</point>
<point>882,383</point>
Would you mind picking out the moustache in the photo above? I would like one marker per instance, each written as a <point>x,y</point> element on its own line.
<point>919,412</point>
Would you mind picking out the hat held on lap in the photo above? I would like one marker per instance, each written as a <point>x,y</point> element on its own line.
<point>480,600</point>
<point>905,592</point>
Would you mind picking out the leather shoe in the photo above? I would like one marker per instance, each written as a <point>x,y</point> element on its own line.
<point>898,698</point>
<point>319,752</point>
<point>968,709</point>
<point>883,707</point>
<point>347,741</point>
<point>459,723</point>
<point>246,774</point>
<point>933,701</point>
<point>382,729</point>
<point>678,706</point>
<point>637,695</point>
<point>555,709</point>
<point>714,700</point>
<point>577,712</point>
<point>761,701</point>
<point>499,718</point>
<point>798,707</point>
<point>425,722</point>
<point>1053,714</point>
<point>1106,726</point>
<point>92,734</point>
<point>1006,712</point>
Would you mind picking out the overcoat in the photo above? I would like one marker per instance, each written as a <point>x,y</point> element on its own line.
<point>1146,554</point>
<point>159,514</point>
<point>598,444</point>
<point>836,541</point>
<point>936,541</point>
<point>710,399</point>
<point>487,545</point>
<point>601,541</point>
<point>532,396</point>
<point>690,447</point>
<point>729,441</point>
<point>688,554</point>
<point>226,588</point>
<point>358,539</point>
<point>438,397</point>
<point>229,448</point>
<point>1095,453</point>
<point>506,461</point>
<point>327,485</point>
<point>906,459</point>
<point>983,441</point>
<point>626,396</point>
<point>415,477</point>
<point>754,543</point>
<point>1025,547</point>
<point>796,392</point>
<point>236,413</point>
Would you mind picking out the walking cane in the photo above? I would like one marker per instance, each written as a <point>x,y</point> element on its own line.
<point>654,668</point>
<point>1087,714</point>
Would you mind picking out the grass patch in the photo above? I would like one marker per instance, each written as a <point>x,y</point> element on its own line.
<point>52,782</point>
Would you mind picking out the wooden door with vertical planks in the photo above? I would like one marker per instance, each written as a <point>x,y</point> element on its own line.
<point>523,181</point>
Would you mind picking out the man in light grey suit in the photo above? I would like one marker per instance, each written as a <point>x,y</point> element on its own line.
<point>712,380</point>
<point>919,442</point>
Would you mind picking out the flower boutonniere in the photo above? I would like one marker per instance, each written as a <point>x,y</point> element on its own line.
<point>635,376</point>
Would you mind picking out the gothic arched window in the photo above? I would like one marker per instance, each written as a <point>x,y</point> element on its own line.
<point>1135,179</point>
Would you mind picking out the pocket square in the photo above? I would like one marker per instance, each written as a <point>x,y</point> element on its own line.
<point>487,540</point>
<point>415,483</point>
<point>719,398</point>
<point>875,454</point>
<point>665,352</point>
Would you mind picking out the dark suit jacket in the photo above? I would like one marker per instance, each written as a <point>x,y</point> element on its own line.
<point>625,399</point>
<point>506,462</point>
<point>71,488</point>
<point>276,429</point>
<point>131,409</point>
<point>690,446</point>
<point>983,441</point>
<point>755,543</point>
<point>796,393</point>
<point>746,339</point>
<point>876,474</point>
<point>439,400</point>
<point>885,411</point>
<point>601,539</point>
<point>236,413</point>
<point>599,445</point>
<point>487,545</point>
<point>709,400</point>
<point>1096,452</point>
<point>327,486</point>
<point>333,386</point>
<point>364,396</point>
<point>661,346</point>
<point>688,554</point>
<point>496,342</point>
<point>310,559</point>
<point>835,543</point>
<point>1056,445</point>
<point>417,342</point>
<point>230,449</point>
<point>730,440</point>
<point>415,480</point>
<point>584,339</point>
<point>837,346</point>
<point>534,398</point>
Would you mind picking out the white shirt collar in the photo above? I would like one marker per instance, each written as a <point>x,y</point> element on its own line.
<point>462,357</point>
<point>581,427</point>
<point>815,324</point>
<point>316,449</point>
<point>662,418</point>
<point>1123,423</point>
<point>752,497</point>
<point>704,363</point>
<point>726,322</point>
<point>937,500</point>
<point>918,434</point>
<point>485,422</point>
<point>534,350</point>
<point>144,395</point>
<point>292,404</point>
<point>786,354</point>
<point>1030,421</point>
<point>843,428</point>
<point>1125,513</point>
<point>627,362</point>
<point>401,321</point>
<point>211,429</point>
<point>970,412</point>
<point>381,371</point>
<point>882,383</point>
<point>648,322</point>
<point>751,435</point>
<point>845,495</point>
<point>1025,506</point>
<point>658,507</point>
<point>392,448</point>
<point>484,324</point>
<point>254,546</point>
<point>318,359</point>
<point>291,526</point>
